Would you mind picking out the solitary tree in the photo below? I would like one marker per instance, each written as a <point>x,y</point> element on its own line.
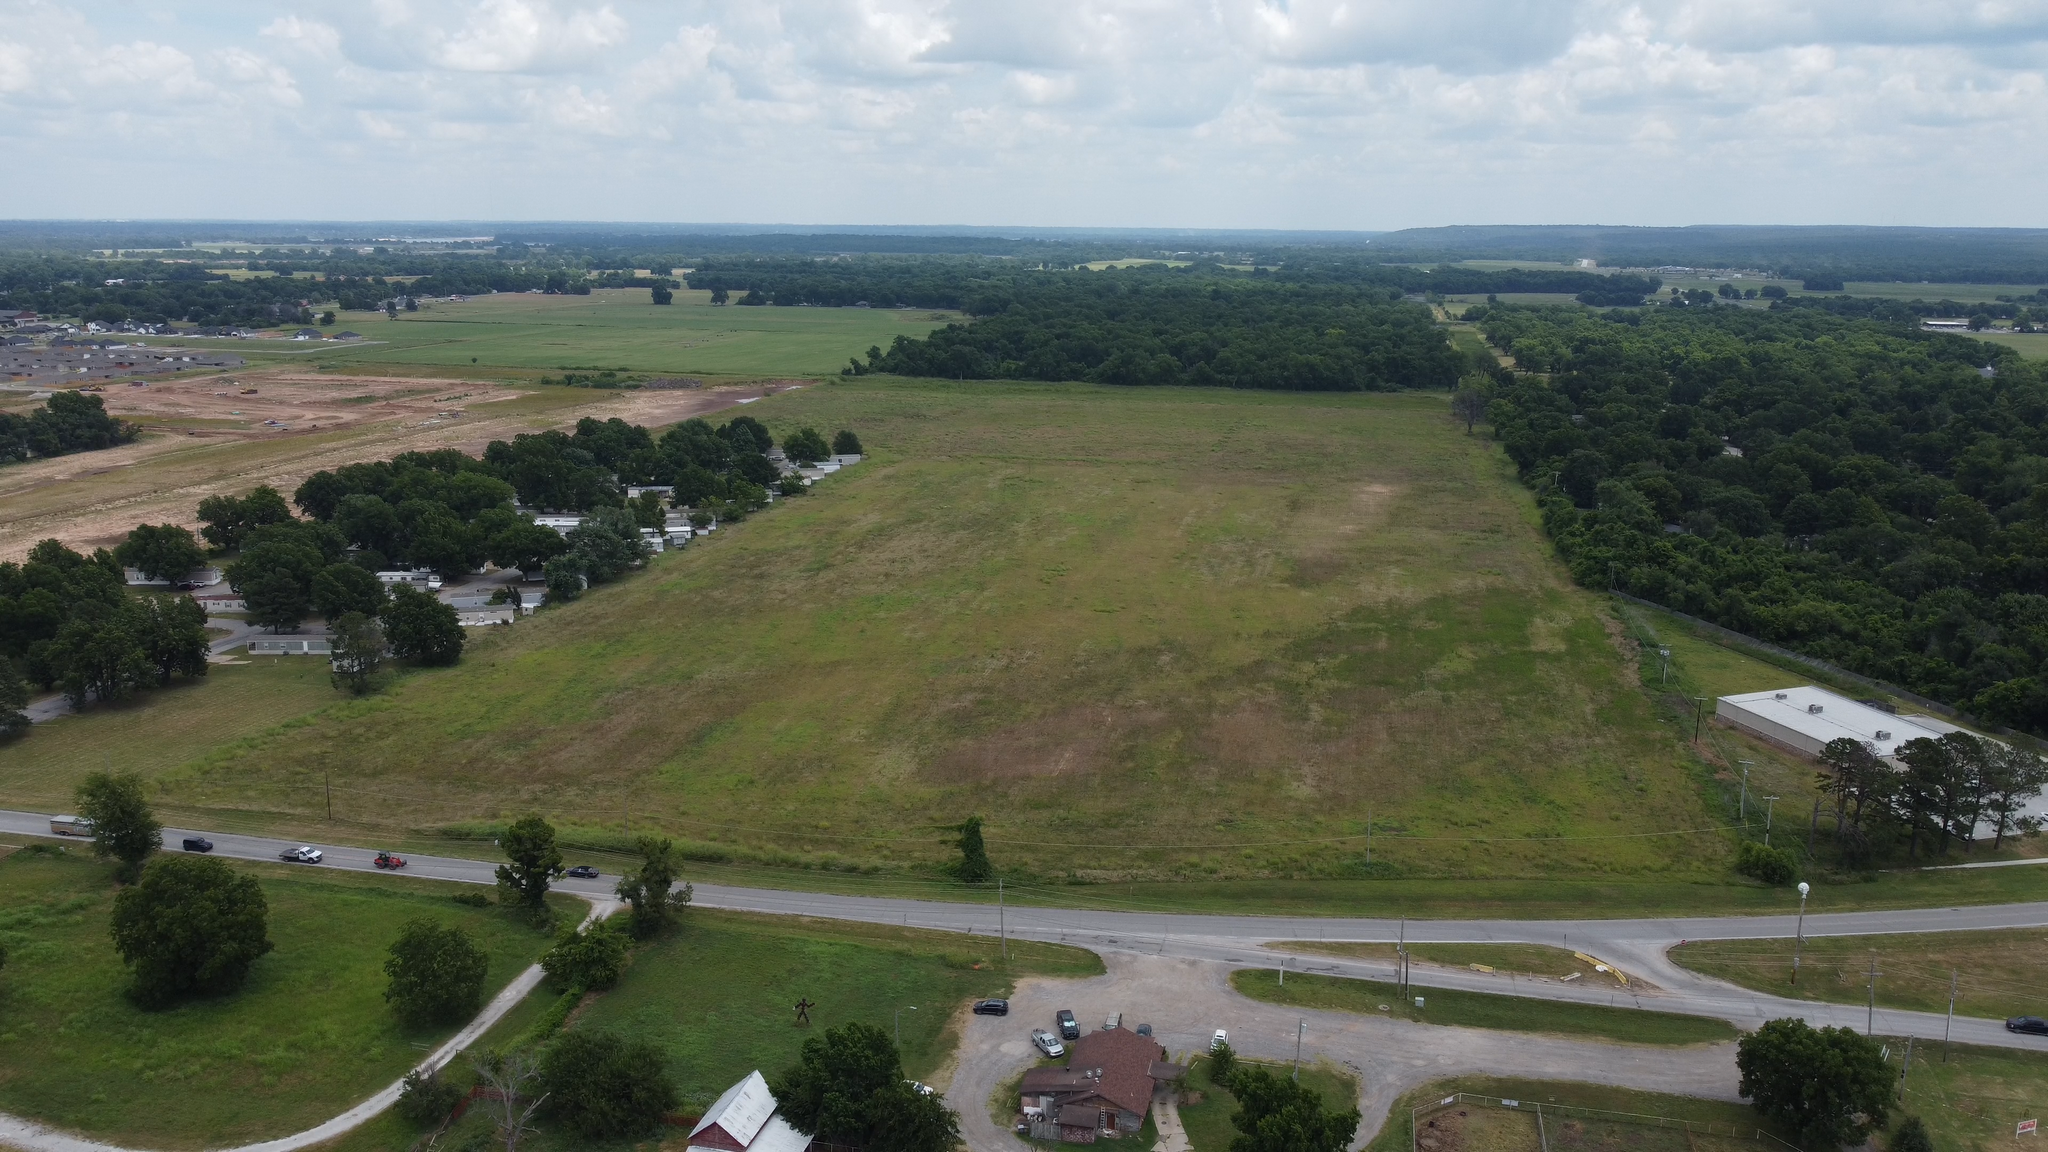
<point>1829,1085</point>
<point>1911,1137</point>
<point>587,958</point>
<point>651,888</point>
<point>974,864</point>
<point>603,1086</point>
<point>161,551</point>
<point>1469,402</point>
<point>662,294</point>
<point>123,827</point>
<point>533,862</point>
<point>358,647</point>
<point>191,926</point>
<point>436,972</point>
<point>1280,1115</point>
<point>845,443</point>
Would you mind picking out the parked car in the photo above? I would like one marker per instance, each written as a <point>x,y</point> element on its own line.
<point>198,844</point>
<point>70,826</point>
<point>1070,1028</point>
<point>1048,1043</point>
<point>1112,1022</point>
<point>1144,1029</point>
<point>582,872</point>
<point>2034,1024</point>
<point>991,1007</point>
<point>387,860</point>
<point>1220,1039</point>
<point>300,855</point>
<point>921,1089</point>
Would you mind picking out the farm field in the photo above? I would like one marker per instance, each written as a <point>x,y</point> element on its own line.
<point>610,328</point>
<point>1998,974</point>
<point>1160,633</point>
<point>2032,345</point>
<point>308,1036</point>
<point>1450,1006</point>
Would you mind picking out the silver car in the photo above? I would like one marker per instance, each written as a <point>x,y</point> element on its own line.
<point>1048,1043</point>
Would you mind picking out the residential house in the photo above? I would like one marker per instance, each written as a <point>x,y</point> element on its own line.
<point>1105,1090</point>
<point>745,1119</point>
<point>217,603</point>
<point>421,579</point>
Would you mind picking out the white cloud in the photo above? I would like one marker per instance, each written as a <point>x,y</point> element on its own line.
<point>1257,113</point>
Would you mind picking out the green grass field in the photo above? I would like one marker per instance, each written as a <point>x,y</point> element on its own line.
<point>1208,1123</point>
<point>1481,1009</point>
<point>2032,345</point>
<point>1998,974</point>
<point>1571,1125</point>
<point>1974,1100</point>
<point>1164,633</point>
<point>307,1037</point>
<point>610,328</point>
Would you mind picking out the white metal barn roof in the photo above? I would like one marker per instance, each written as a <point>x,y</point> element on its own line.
<point>1807,718</point>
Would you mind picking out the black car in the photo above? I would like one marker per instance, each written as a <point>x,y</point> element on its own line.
<point>991,1007</point>
<point>1070,1028</point>
<point>198,844</point>
<point>2034,1024</point>
<point>582,872</point>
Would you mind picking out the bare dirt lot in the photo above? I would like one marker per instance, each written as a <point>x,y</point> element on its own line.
<point>233,431</point>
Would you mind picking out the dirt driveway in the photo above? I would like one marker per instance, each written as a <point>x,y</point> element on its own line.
<point>1185,1001</point>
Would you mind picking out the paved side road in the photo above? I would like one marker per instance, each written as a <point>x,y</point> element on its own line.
<point>1637,946</point>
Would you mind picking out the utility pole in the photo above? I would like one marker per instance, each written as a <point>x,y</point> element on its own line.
<point>1951,1014</point>
<point>1770,806</point>
<point>1368,835</point>
<point>1299,1028</point>
<point>1813,826</point>
<point>1401,959</point>
<point>1002,919</point>
<point>1905,1067</point>
<point>1742,806</point>
<point>1283,971</point>
<point>1699,717</point>
<point>1870,1019</point>
<point>1799,944</point>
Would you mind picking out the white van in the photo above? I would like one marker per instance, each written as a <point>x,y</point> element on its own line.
<point>1114,1021</point>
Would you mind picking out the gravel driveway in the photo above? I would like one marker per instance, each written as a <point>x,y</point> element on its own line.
<point>1185,1001</point>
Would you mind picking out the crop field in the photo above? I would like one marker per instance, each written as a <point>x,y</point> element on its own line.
<point>610,328</point>
<point>1997,974</point>
<point>2032,345</point>
<point>1165,633</point>
<point>308,1036</point>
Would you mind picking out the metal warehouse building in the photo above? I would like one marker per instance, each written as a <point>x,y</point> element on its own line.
<point>1804,719</point>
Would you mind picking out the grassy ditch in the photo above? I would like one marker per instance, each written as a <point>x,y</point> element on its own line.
<point>1997,973</point>
<point>1482,1010</point>
<point>308,1035</point>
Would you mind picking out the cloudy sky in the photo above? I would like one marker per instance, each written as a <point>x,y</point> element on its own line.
<point>1367,114</point>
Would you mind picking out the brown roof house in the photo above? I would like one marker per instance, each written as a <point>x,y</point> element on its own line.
<point>1104,1091</point>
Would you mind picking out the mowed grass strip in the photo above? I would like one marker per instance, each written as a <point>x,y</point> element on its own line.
<point>1997,973</point>
<point>1481,1010</point>
<point>718,992</point>
<point>1165,633</point>
<point>307,1037</point>
<point>1523,959</point>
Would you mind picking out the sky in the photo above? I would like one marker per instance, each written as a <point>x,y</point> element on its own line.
<point>1324,114</point>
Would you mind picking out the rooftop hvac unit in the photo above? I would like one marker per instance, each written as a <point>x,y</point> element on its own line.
<point>1883,735</point>
<point>1779,696</point>
<point>1813,709</point>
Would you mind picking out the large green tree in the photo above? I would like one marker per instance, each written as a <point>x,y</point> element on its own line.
<point>13,701</point>
<point>421,628</point>
<point>190,926</point>
<point>436,973</point>
<point>847,1087</point>
<point>651,888</point>
<point>1275,1114</point>
<point>1829,1085</point>
<point>161,551</point>
<point>533,861</point>
<point>603,1086</point>
<point>358,651</point>
<point>123,827</point>
<point>974,864</point>
<point>588,958</point>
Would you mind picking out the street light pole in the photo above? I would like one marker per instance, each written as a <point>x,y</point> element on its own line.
<point>1742,805</point>
<point>1799,945</point>
<point>1770,806</point>
<point>899,1023</point>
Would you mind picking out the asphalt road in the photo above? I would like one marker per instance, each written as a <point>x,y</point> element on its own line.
<point>1636,947</point>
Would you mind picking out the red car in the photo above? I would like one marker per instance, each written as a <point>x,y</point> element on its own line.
<point>387,860</point>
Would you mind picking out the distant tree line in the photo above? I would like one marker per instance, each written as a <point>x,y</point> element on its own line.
<point>1870,494</point>
<point>67,422</point>
<point>1136,328</point>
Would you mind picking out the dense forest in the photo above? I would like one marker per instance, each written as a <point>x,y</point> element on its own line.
<point>1846,486</point>
<point>67,422</point>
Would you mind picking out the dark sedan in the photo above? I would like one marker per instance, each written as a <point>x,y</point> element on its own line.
<point>582,872</point>
<point>991,1007</point>
<point>2033,1024</point>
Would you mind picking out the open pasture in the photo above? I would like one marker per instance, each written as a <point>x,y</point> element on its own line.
<point>1168,633</point>
<point>618,328</point>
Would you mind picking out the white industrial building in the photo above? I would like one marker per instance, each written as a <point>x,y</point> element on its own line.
<point>1805,718</point>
